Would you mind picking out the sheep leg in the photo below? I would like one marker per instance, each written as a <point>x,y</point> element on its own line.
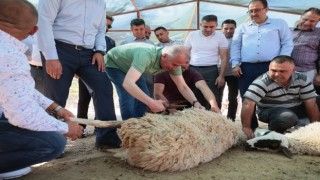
<point>98,123</point>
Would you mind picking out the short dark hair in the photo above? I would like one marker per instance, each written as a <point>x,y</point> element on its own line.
<point>137,22</point>
<point>210,18</point>
<point>283,58</point>
<point>110,18</point>
<point>158,28</point>
<point>313,10</point>
<point>229,21</point>
<point>264,2</point>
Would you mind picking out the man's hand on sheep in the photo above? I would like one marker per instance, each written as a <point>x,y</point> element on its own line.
<point>248,132</point>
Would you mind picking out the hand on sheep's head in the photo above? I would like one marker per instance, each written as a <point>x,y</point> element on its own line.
<point>266,139</point>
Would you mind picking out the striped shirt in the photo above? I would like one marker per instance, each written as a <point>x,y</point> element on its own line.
<point>269,94</point>
<point>306,51</point>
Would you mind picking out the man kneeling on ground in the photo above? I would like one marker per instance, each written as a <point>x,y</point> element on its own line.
<point>284,98</point>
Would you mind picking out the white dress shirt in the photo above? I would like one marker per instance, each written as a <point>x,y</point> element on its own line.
<point>22,104</point>
<point>77,22</point>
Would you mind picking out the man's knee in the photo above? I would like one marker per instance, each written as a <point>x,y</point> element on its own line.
<point>283,121</point>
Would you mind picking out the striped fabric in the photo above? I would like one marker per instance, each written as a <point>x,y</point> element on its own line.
<point>267,93</point>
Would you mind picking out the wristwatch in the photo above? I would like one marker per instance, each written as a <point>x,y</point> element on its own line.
<point>101,52</point>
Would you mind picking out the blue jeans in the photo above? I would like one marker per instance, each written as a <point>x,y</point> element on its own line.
<point>20,148</point>
<point>129,106</point>
<point>79,62</point>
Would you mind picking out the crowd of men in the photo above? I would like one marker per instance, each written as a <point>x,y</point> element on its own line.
<point>275,68</point>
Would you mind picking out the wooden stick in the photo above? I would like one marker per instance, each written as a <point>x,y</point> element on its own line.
<point>98,123</point>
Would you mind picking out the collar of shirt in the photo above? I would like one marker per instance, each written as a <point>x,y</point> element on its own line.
<point>309,30</point>
<point>200,31</point>
<point>7,37</point>
<point>251,23</point>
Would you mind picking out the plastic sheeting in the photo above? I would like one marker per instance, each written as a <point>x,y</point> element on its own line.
<point>180,16</point>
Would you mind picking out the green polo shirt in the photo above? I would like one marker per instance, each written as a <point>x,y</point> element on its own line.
<point>145,58</point>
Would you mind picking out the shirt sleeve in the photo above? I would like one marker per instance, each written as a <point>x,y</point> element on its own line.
<point>187,43</point>
<point>100,42</point>
<point>48,11</point>
<point>235,51</point>
<point>285,40</point>
<point>22,105</point>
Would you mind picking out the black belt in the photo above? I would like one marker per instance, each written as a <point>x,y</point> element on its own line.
<point>203,66</point>
<point>76,47</point>
<point>37,67</point>
<point>259,62</point>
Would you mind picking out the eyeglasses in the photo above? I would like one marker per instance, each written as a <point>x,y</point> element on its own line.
<point>109,26</point>
<point>255,10</point>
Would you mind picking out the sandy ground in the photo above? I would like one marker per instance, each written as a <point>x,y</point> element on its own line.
<point>84,162</point>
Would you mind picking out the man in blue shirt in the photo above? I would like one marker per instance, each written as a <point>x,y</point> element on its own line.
<point>255,43</point>
<point>72,41</point>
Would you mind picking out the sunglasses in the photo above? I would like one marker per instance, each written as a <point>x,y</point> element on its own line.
<point>109,26</point>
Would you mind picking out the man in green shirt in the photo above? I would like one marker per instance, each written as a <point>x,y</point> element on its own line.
<point>126,63</point>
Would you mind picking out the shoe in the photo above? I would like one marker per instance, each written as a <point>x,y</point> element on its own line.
<point>16,173</point>
<point>61,155</point>
<point>85,133</point>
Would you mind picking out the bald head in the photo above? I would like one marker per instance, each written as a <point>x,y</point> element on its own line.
<point>18,18</point>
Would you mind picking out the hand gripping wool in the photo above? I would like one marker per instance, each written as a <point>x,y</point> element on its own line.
<point>177,142</point>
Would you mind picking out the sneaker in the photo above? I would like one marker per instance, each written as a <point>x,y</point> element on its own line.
<point>85,133</point>
<point>16,173</point>
<point>61,155</point>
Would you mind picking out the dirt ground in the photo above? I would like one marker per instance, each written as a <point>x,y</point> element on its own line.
<point>83,162</point>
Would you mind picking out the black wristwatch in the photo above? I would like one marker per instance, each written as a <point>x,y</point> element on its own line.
<point>101,52</point>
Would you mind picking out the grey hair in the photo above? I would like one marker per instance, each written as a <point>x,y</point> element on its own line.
<point>174,50</point>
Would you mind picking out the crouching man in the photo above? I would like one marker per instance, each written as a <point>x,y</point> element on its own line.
<point>166,90</point>
<point>284,98</point>
<point>126,63</point>
<point>28,134</point>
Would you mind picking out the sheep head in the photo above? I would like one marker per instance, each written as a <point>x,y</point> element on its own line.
<point>270,140</point>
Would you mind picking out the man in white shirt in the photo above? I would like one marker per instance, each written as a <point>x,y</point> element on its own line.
<point>207,48</point>
<point>28,134</point>
<point>72,40</point>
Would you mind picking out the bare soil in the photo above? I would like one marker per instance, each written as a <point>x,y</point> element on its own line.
<point>83,162</point>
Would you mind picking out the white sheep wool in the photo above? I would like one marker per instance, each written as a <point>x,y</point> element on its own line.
<point>177,142</point>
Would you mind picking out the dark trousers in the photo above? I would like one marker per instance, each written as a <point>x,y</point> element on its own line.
<point>38,76</point>
<point>233,91</point>
<point>280,119</point>
<point>79,62</point>
<point>84,100</point>
<point>250,71</point>
<point>20,148</point>
<point>210,74</point>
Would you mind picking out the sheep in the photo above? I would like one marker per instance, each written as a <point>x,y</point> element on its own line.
<point>188,138</point>
<point>304,140</point>
<point>176,142</point>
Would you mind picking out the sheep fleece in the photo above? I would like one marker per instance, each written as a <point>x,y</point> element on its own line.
<point>177,142</point>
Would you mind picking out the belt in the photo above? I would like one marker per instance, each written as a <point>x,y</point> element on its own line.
<point>203,66</point>
<point>76,47</point>
<point>259,62</point>
<point>37,67</point>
